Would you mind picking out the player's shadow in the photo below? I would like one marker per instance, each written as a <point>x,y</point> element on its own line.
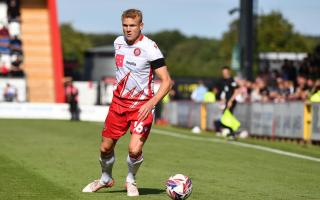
<point>142,191</point>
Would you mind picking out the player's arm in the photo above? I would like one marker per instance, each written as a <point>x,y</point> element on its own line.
<point>233,97</point>
<point>165,86</point>
<point>236,91</point>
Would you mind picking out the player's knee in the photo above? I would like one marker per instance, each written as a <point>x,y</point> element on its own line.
<point>107,145</point>
<point>135,152</point>
<point>106,148</point>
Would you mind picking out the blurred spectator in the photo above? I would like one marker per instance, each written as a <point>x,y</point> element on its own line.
<point>4,49</point>
<point>288,70</point>
<point>16,45</point>
<point>255,93</point>
<point>169,97</point>
<point>198,94</point>
<point>16,69</point>
<point>289,85</point>
<point>9,93</point>
<point>262,90</point>
<point>242,93</point>
<point>16,57</point>
<point>13,9</point>
<point>304,67</point>
<point>14,28</point>
<point>210,96</point>
<point>301,90</point>
<point>72,99</point>
<point>4,69</point>
<point>272,78</point>
<point>315,95</point>
<point>4,32</point>
<point>278,93</point>
<point>4,40</point>
<point>3,12</point>
<point>310,83</point>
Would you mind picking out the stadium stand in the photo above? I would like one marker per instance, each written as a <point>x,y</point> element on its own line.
<point>37,45</point>
<point>11,54</point>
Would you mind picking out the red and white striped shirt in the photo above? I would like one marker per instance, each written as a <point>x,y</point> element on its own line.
<point>134,74</point>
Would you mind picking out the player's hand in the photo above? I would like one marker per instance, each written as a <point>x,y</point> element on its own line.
<point>145,110</point>
<point>229,105</point>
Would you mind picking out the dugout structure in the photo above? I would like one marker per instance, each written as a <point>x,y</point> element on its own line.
<point>42,50</point>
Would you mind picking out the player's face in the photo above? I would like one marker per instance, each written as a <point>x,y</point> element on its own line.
<point>226,73</point>
<point>131,29</point>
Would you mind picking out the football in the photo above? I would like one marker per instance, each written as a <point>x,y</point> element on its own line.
<point>179,187</point>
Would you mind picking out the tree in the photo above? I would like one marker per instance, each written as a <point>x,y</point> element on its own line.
<point>167,40</point>
<point>189,56</point>
<point>274,34</point>
<point>195,57</point>
<point>74,43</point>
<point>229,40</point>
<point>101,39</point>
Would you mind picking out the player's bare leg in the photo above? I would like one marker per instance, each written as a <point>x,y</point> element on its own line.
<point>107,159</point>
<point>134,160</point>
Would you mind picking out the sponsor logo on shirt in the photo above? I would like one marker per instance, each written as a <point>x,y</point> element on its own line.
<point>119,60</point>
<point>130,63</point>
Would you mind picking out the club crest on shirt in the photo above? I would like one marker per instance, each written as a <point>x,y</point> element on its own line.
<point>137,52</point>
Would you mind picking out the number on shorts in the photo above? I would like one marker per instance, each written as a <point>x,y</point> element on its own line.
<point>138,127</point>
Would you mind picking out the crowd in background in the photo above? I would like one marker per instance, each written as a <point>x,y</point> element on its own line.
<point>11,54</point>
<point>294,81</point>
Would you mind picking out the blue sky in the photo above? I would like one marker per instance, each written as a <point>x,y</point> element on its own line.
<point>205,18</point>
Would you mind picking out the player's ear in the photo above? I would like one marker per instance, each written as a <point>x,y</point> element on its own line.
<point>141,25</point>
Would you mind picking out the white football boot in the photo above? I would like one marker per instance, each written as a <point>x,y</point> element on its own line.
<point>132,189</point>
<point>96,185</point>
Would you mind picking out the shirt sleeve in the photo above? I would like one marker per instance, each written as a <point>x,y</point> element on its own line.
<point>154,52</point>
<point>234,84</point>
<point>116,43</point>
<point>155,56</point>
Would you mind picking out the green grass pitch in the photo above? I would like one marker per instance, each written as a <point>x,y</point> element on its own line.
<point>52,159</point>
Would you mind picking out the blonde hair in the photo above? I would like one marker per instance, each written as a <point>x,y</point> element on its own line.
<point>132,13</point>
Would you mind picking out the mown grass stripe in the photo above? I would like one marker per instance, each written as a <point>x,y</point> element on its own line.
<point>258,147</point>
<point>16,182</point>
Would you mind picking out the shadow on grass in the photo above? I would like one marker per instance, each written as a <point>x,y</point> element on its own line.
<point>142,191</point>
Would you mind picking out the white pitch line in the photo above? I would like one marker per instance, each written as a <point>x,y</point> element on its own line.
<point>262,148</point>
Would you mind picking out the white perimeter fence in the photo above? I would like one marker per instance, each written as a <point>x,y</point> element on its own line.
<point>294,120</point>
